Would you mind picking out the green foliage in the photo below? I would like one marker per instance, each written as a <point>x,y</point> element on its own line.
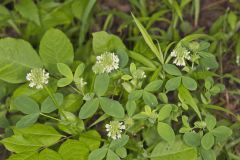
<point>17,58</point>
<point>55,48</point>
<point>155,97</point>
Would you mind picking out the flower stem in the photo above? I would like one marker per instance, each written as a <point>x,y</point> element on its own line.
<point>45,115</point>
<point>55,102</point>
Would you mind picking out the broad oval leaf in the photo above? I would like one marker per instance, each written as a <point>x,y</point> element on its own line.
<point>164,112</point>
<point>207,141</point>
<point>32,155</point>
<point>29,10</point>
<point>65,70</point>
<point>112,107</point>
<point>48,154</point>
<point>166,132</point>
<point>98,154</point>
<point>173,83</point>
<point>150,99</point>
<point>49,106</point>
<point>193,139</point>
<point>153,86</point>
<point>55,48</point>
<point>89,108</point>
<point>176,151</point>
<point>189,83</point>
<point>91,138</point>
<point>17,58</point>
<point>172,70</point>
<point>18,144</point>
<point>101,84</point>
<point>26,105</point>
<point>43,134</point>
<point>135,95</point>
<point>73,150</point>
<point>28,120</point>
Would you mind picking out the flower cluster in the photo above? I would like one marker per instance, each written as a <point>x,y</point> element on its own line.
<point>81,83</point>
<point>180,53</point>
<point>115,129</point>
<point>37,77</point>
<point>106,63</point>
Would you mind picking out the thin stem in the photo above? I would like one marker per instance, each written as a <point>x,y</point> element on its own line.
<point>54,101</point>
<point>45,115</point>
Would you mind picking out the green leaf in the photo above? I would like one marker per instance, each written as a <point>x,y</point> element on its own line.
<point>187,98</point>
<point>173,83</point>
<point>131,107</point>
<point>112,107</point>
<point>166,132</point>
<point>78,8</point>
<point>211,122</point>
<point>119,142</point>
<point>28,120</point>
<point>112,156</point>
<point>207,141</point>
<point>65,70</point>
<point>26,105</point>
<point>121,152</point>
<point>222,133</point>
<point>24,156</point>
<point>208,154</point>
<point>91,138</point>
<point>150,99</point>
<point>64,82</point>
<point>43,134</point>
<point>104,42</point>
<point>78,72</point>
<point>189,83</point>
<point>48,154</point>
<point>164,112</point>
<point>17,57</point>
<point>153,86</point>
<point>149,40</point>
<point>89,108</point>
<point>232,19</point>
<point>55,48</point>
<point>176,151</point>
<point>28,10</point>
<point>172,70</point>
<point>4,122</point>
<point>101,84</point>
<point>18,144</point>
<point>135,95</point>
<point>123,57</point>
<point>72,102</point>
<point>193,139</point>
<point>73,150</point>
<point>36,94</point>
<point>48,105</point>
<point>98,154</point>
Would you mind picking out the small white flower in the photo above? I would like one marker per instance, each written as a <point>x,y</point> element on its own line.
<point>180,53</point>
<point>114,129</point>
<point>80,83</point>
<point>106,63</point>
<point>37,77</point>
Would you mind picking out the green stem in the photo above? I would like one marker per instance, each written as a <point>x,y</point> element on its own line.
<point>45,115</point>
<point>54,101</point>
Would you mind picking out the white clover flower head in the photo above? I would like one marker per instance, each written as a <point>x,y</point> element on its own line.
<point>114,129</point>
<point>106,63</point>
<point>180,53</point>
<point>37,77</point>
<point>81,83</point>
